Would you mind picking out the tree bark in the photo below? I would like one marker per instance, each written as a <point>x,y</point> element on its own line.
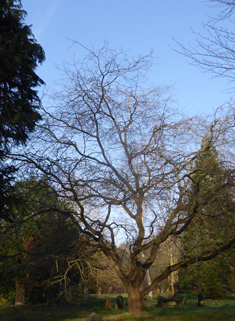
<point>134,301</point>
<point>20,293</point>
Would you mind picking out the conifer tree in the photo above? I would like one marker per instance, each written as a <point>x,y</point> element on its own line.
<point>212,220</point>
<point>19,101</point>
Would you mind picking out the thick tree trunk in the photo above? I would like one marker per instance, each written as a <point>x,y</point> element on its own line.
<point>134,301</point>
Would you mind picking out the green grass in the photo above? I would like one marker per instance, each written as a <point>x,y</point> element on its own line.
<point>215,310</point>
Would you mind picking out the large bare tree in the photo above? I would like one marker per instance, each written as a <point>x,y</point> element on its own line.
<point>118,150</point>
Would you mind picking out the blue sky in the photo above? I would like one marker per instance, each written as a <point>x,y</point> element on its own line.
<point>136,25</point>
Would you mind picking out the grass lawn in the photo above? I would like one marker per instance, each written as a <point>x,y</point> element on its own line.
<point>215,310</point>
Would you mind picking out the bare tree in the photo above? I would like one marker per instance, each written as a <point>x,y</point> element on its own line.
<point>227,8</point>
<point>118,150</point>
<point>214,50</point>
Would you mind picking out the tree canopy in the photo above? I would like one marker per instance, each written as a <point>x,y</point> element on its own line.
<point>20,55</point>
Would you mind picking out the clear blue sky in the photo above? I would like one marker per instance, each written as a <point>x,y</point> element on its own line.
<point>135,25</point>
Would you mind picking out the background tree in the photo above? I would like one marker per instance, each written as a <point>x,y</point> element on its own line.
<point>36,248</point>
<point>215,217</point>
<point>170,252</point>
<point>213,278</point>
<point>119,150</point>
<point>19,101</point>
<point>214,51</point>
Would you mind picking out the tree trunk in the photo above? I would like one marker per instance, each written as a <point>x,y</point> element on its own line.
<point>173,276</point>
<point>134,301</point>
<point>20,293</point>
<point>150,295</point>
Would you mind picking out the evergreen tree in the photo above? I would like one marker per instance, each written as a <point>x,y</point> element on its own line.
<point>213,223</point>
<point>39,244</point>
<point>19,101</point>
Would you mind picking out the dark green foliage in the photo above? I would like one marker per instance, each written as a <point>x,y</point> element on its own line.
<point>213,278</point>
<point>214,221</point>
<point>213,224</point>
<point>19,101</point>
<point>36,247</point>
<point>7,198</point>
<point>19,56</point>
